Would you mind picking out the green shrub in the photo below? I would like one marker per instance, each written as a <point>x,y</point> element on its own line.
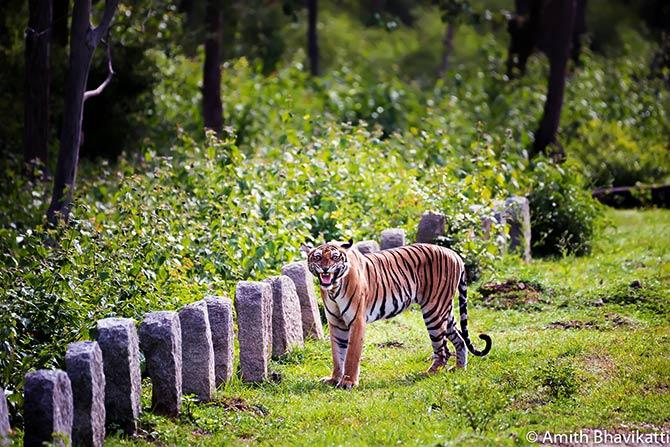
<point>564,216</point>
<point>478,402</point>
<point>559,378</point>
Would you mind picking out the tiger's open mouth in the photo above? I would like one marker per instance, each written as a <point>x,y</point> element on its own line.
<point>326,279</point>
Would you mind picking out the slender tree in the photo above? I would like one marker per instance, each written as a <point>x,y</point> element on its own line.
<point>37,81</point>
<point>211,86</point>
<point>554,28</point>
<point>558,54</point>
<point>312,37</point>
<point>447,47</point>
<point>84,40</point>
<point>453,13</point>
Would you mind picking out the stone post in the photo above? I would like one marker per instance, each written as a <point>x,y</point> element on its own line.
<point>85,369</point>
<point>220,311</point>
<point>304,286</point>
<point>197,351</point>
<point>160,340</point>
<point>366,247</point>
<point>431,226</point>
<point>4,420</point>
<point>286,316</point>
<point>117,338</point>
<point>253,304</point>
<point>392,238</point>
<point>517,215</point>
<point>47,409</point>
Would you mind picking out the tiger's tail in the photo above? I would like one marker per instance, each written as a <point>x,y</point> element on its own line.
<point>463,310</point>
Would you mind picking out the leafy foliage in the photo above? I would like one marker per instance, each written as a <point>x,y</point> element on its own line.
<point>559,378</point>
<point>564,216</point>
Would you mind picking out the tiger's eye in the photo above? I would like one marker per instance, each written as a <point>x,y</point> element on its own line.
<point>336,255</point>
<point>316,256</point>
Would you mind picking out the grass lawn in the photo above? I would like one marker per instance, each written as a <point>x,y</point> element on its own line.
<point>584,344</point>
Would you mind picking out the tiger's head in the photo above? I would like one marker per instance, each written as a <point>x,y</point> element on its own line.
<point>328,262</point>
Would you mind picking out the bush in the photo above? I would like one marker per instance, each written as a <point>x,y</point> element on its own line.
<point>478,403</point>
<point>564,216</point>
<point>559,378</point>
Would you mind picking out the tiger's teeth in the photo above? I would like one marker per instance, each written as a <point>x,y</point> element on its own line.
<point>326,278</point>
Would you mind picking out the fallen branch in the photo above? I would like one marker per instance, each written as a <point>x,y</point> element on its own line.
<point>101,87</point>
<point>634,196</point>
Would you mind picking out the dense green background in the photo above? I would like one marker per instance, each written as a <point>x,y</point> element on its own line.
<point>165,214</point>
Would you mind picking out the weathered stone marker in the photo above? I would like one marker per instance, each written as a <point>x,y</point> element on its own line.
<point>431,226</point>
<point>286,316</point>
<point>392,238</point>
<point>197,351</point>
<point>47,408</point>
<point>304,286</point>
<point>4,420</point>
<point>160,340</point>
<point>220,311</point>
<point>253,304</point>
<point>119,344</point>
<point>488,220</point>
<point>366,247</point>
<point>517,215</point>
<point>85,369</point>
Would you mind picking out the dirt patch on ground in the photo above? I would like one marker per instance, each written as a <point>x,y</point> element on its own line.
<point>572,324</point>
<point>617,320</point>
<point>611,321</point>
<point>391,344</point>
<point>199,433</point>
<point>600,365</point>
<point>650,295</point>
<point>512,294</point>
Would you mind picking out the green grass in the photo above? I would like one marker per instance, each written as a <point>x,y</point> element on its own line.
<point>594,352</point>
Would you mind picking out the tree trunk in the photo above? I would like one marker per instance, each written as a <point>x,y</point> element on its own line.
<point>579,28</point>
<point>312,38</point>
<point>84,40</point>
<point>211,85</point>
<point>448,46</point>
<point>558,60</point>
<point>37,81</point>
<point>61,8</point>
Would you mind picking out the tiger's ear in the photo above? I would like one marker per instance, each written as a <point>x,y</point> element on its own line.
<point>305,249</point>
<point>347,245</point>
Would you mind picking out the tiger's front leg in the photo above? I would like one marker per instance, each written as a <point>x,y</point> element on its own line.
<point>339,341</point>
<point>352,361</point>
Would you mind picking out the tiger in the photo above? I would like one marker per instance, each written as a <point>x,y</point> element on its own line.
<point>361,288</point>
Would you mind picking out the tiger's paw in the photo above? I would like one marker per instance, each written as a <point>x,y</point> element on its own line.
<point>437,366</point>
<point>458,366</point>
<point>346,383</point>
<point>329,380</point>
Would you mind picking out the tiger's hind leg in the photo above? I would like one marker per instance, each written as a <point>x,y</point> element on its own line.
<point>438,339</point>
<point>457,340</point>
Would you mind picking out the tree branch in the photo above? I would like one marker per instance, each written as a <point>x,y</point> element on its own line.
<point>37,34</point>
<point>105,83</point>
<point>107,16</point>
